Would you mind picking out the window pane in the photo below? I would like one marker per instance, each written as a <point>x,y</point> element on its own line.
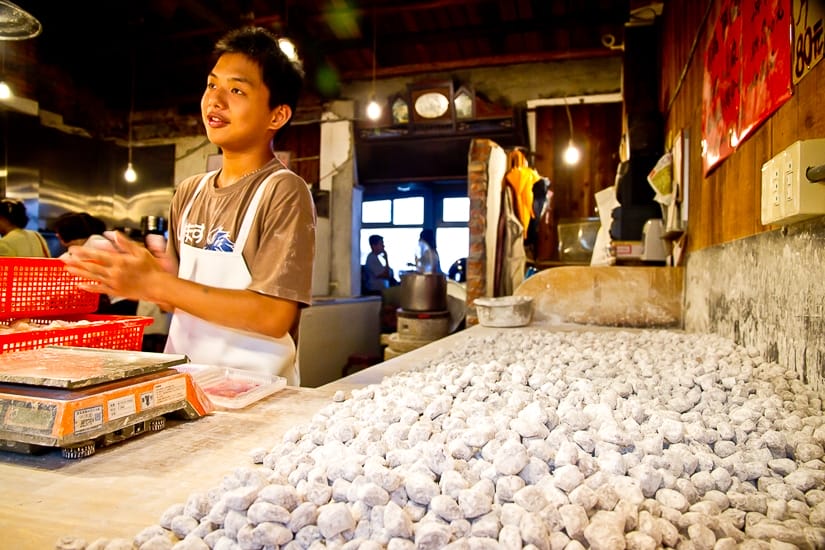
<point>456,209</point>
<point>452,243</point>
<point>408,211</point>
<point>376,211</point>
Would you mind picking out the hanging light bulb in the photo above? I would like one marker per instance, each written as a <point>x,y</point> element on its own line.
<point>373,107</point>
<point>130,175</point>
<point>572,155</point>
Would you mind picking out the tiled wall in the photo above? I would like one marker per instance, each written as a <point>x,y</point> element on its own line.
<point>765,291</point>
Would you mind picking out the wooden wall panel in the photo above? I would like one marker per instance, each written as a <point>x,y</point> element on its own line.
<point>597,133</point>
<point>811,107</point>
<point>726,205</point>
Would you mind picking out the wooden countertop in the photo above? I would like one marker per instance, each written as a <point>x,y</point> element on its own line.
<point>124,488</point>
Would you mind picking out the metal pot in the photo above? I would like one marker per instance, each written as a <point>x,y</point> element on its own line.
<point>423,291</point>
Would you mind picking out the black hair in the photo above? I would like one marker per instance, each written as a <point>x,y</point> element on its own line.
<point>375,239</point>
<point>428,237</point>
<point>283,77</point>
<point>14,211</point>
<point>78,225</point>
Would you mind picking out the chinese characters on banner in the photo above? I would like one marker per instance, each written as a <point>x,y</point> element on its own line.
<point>747,73</point>
<point>808,38</point>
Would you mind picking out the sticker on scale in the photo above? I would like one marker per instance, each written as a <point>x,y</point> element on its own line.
<point>120,407</point>
<point>88,419</point>
<point>170,391</point>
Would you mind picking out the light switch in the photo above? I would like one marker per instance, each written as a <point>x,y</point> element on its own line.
<point>787,194</point>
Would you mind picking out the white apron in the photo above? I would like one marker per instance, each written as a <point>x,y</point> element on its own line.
<point>211,344</point>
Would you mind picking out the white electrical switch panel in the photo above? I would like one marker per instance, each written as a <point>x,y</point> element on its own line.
<point>787,194</point>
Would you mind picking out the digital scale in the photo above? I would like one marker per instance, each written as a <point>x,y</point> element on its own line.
<point>77,399</point>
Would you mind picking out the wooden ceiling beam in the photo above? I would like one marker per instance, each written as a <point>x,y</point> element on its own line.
<point>489,61</point>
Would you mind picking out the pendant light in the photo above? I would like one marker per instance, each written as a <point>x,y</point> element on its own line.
<point>15,24</point>
<point>130,175</point>
<point>572,153</point>
<point>373,108</point>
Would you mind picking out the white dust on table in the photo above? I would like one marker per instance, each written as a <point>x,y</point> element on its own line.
<point>544,440</point>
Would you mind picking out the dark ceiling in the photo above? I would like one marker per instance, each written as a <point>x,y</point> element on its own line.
<point>163,46</point>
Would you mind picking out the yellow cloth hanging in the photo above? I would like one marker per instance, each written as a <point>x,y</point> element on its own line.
<point>521,178</point>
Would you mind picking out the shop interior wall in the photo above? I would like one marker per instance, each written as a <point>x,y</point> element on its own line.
<point>759,285</point>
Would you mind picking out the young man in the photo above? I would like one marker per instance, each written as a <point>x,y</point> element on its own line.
<point>238,265</point>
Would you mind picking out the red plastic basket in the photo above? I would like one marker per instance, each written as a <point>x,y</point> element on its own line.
<point>124,332</point>
<point>41,286</point>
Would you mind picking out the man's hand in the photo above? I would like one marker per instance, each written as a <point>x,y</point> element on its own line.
<point>126,269</point>
<point>156,244</point>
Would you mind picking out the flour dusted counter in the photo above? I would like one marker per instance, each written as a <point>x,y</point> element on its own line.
<point>542,435</point>
<point>123,488</point>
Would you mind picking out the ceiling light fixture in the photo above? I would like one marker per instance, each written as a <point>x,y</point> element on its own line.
<point>572,153</point>
<point>373,107</point>
<point>16,23</point>
<point>130,175</point>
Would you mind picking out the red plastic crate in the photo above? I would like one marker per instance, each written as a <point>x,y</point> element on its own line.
<point>41,286</point>
<point>124,332</point>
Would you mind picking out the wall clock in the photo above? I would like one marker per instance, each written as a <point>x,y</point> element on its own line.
<point>432,105</point>
<point>432,102</point>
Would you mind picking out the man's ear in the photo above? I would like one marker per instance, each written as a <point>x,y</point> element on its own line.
<point>280,116</point>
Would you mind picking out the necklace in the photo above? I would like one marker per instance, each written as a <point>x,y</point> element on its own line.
<point>246,175</point>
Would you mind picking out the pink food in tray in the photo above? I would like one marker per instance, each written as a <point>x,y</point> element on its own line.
<point>230,388</point>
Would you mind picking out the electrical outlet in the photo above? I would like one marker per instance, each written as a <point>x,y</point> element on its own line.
<point>771,195</point>
<point>787,194</point>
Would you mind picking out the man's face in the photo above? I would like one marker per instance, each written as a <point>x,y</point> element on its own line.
<point>235,104</point>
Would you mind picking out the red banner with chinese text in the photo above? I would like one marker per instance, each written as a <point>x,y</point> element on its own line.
<point>747,73</point>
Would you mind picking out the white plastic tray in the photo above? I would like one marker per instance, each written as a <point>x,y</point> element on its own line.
<point>229,388</point>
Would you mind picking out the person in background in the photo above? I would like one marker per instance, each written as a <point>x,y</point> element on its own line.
<point>17,241</point>
<point>427,261</point>
<point>75,229</point>
<point>238,265</point>
<point>379,274</point>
